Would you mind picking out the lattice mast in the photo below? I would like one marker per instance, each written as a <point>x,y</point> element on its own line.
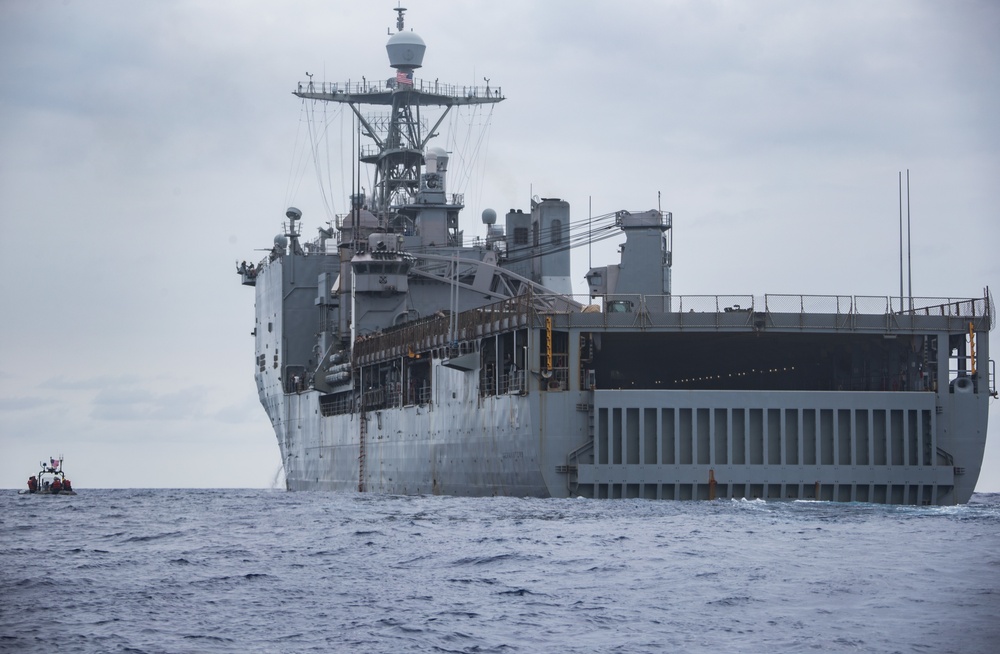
<point>399,143</point>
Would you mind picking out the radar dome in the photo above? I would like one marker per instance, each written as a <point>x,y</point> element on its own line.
<point>293,213</point>
<point>489,216</point>
<point>281,241</point>
<point>406,50</point>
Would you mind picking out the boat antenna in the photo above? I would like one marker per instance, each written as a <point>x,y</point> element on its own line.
<point>900,240</point>
<point>590,232</point>
<point>357,191</point>
<point>909,267</point>
<point>399,16</point>
<point>354,191</point>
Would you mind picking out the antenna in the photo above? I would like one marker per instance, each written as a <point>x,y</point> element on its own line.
<point>590,232</point>
<point>909,267</point>
<point>354,191</point>
<point>399,16</point>
<point>900,241</point>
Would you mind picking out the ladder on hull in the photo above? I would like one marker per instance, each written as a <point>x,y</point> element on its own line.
<point>362,439</point>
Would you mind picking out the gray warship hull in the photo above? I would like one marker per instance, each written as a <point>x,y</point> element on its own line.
<point>393,356</point>
<point>876,435</point>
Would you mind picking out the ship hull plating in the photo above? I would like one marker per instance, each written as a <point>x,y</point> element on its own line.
<point>684,445</point>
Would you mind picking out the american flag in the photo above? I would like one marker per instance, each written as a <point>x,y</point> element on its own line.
<point>55,464</point>
<point>404,77</point>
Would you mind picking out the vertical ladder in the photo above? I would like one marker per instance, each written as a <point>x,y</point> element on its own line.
<point>362,439</point>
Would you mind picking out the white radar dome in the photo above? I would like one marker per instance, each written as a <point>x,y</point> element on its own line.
<point>489,216</point>
<point>406,50</point>
<point>281,241</point>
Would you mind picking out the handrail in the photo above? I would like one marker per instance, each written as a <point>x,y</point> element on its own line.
<point>839,305</point>
<point>388,85</point>
<point>522,311</point>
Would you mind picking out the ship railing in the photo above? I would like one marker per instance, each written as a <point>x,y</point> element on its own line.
<point>513,383</point>
<point>844,311</point>
<point>949,307</point>
<point>487,385</point>
<point>432,332</point>
<point>383,397</point>
<point>783,303</point>
<point>993,379</point>
<point>373,398</point>
<point>840,305</point>
<point>709,303</point>
<point>701,311</point>
<point>634,310</point>
<point>385,86</point>
<point>962,379</point>
<point>334,405</point>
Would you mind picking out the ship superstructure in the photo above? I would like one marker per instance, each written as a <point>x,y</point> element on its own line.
<point>392,357</point>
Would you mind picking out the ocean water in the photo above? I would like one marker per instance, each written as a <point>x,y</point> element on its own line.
<point>271,571</point>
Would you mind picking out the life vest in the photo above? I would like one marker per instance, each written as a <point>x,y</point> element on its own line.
<point>32,484</point>
<point>56,484</point>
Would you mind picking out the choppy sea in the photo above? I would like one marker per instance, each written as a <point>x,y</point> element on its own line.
<point>274,571</point>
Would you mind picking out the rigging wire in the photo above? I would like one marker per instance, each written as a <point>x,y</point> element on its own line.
<point>292,162</point>
<point>478,155</point>
<point>605,229</point>
<point>469,155</point>
<point>315,140</point>
<point>329,169</point>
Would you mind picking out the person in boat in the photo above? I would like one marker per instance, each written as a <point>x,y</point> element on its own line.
<point>32,484</point>
<point>56,485</point>
<point>67,486</point>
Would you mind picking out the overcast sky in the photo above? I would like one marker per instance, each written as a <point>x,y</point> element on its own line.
<point>149,145</point>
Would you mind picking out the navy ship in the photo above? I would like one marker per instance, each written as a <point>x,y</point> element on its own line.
<point>393,356</point>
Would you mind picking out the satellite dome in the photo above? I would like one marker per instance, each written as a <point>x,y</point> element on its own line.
<point>281,241</point>
<point>406,50</point>
<point>489,216</point>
